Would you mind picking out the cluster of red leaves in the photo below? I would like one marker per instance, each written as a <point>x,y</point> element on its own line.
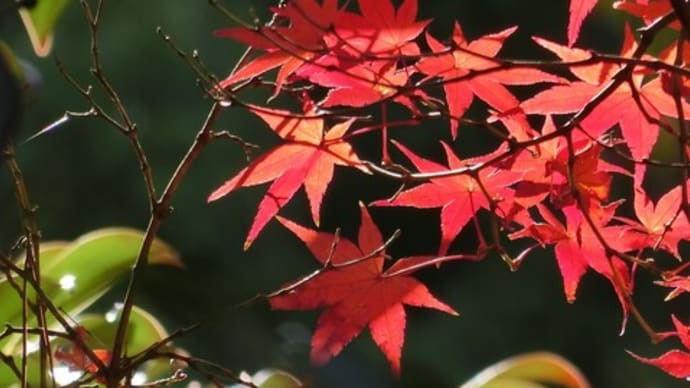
<point>550,185</point>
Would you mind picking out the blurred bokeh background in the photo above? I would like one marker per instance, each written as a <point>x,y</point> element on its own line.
<point>84,176</point>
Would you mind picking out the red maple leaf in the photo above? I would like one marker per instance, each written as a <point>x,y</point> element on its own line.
<point>356,292</point>
<point>579,9</point>
<point>473,56</point>
<point>379,29</point>
<point>307,157</point>
<point>675,362</point>
<point>364,47</point>
<point>288,47</point>
<point>661,224</point>
<point>545,170</point>
<point>365,84</point>
<point>577,247</point>
<point>620,107</point>
<point>571,263</point>
<point>680,285</point>
<point>590,180</point>
<point>460,197</point>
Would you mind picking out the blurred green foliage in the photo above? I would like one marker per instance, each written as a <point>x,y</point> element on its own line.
<point>73,276</point>
<point>83,176</point>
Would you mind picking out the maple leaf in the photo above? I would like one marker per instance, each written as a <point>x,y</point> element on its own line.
<point>361,45</point>
<point>473,56</point>
<point>579,9</point>
<point>620,107</point>
<point>355,291</point>
<point>680,285</point>
<point>379,29</point>
<point>306,158</point>
<point>286,47</point>
<point>589,179</point>
<point>460,197</point>
<point>675,362</point>
<point>577,248</point>
<point>659,224</point>
<point>647,10</point>
<point>365,84</point>
<point>564,239</point>
<point>545,170</point>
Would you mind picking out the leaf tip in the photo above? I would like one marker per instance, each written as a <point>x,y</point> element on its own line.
<point>247,244</point>
<point>570,297</point>
<point>579,9</point>
<point>214,196</point>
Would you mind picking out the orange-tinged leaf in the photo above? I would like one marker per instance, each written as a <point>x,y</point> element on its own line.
<point>355,292</point>
<point>77,359</point>
<point>647,10</point>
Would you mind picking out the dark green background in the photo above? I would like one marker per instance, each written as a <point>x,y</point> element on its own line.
<point>84,176</point>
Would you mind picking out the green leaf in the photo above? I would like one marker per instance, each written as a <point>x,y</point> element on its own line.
<point>269,378</point>
<point>530,370</point>
<point>40,22</point>
<point>143,331</point>
<point>74,275</point>
<point>276,379</point>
